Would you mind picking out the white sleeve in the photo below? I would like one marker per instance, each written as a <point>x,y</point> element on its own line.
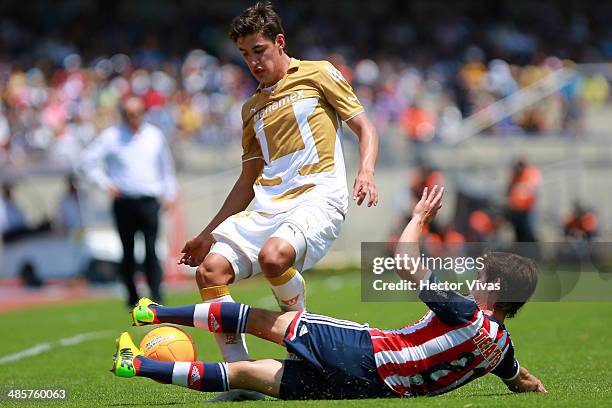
<point>92,160</point>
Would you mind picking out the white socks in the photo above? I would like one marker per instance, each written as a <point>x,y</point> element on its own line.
<point>233,346</point>
<point>290,290</point>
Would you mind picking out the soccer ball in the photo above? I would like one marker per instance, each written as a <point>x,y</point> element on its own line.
<point>168,343</point>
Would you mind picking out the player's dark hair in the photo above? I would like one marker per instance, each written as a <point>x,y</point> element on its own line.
<point>259,18</point>
<point>518,278</point>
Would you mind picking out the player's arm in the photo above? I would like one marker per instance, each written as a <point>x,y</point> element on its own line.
<point>237,200</point>
<point>515,376</point>
<point>339,94</point>
<point>525,382</point>
<point>422,214</point>
<point>451,307</point>
<point>368,152</point>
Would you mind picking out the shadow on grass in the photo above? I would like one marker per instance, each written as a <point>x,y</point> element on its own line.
<point>128,404</point>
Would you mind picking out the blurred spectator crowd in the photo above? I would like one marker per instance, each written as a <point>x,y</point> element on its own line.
<point>419,68</point>
<point>53,115</point>
<point>490,220</point>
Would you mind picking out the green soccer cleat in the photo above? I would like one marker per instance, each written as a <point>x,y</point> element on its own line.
<point>142,314</point>
<point>123,365</point>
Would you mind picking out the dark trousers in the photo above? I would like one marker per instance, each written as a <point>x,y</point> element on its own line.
<point>133,215</point>
<point>522,221</point>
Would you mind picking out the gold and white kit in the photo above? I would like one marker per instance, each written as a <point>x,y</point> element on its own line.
<point>301,195</point>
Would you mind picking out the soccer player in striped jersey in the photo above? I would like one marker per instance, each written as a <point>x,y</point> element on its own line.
<point>459,340</point>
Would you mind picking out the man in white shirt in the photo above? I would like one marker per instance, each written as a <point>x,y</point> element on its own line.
<point>138,172</point>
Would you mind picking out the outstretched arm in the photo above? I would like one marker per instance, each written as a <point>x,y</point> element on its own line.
<point>237,200</point>
<point>368,151</point>
<point>525,382</point>
<point>424,212</point>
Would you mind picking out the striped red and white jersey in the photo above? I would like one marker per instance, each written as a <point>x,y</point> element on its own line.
<point>453,344</point>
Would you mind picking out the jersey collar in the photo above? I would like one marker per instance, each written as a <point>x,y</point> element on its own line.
<point>294,65</point>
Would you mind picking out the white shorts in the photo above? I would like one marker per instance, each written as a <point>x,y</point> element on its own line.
<point>310,228</point>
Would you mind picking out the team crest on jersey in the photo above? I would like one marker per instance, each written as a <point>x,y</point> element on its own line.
<point>335,74</point>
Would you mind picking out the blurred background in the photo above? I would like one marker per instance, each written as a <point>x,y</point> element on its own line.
<point>507,103</point>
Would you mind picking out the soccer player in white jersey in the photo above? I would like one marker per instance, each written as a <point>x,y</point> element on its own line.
<point>459,340</point>
<point>293,173</point>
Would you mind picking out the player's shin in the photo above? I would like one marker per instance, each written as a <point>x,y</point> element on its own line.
<point>216,317</point>
<point>182,315</point>
<point>232,343</point>
<point>289,290</point>
<point>195,375</point>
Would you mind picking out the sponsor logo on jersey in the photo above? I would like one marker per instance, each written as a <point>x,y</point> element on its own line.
<point>274,106</point>
<point>303,331</point>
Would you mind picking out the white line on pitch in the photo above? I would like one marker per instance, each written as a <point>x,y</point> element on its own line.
<point>43,347</point>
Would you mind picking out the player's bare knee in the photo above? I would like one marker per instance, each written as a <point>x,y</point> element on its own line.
<point>213,273</point>
<point>273,262</point>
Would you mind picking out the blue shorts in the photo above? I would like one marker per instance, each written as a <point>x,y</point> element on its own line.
<point>336,361</point>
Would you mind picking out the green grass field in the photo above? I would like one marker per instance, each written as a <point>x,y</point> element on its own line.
<point>567,345</point>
